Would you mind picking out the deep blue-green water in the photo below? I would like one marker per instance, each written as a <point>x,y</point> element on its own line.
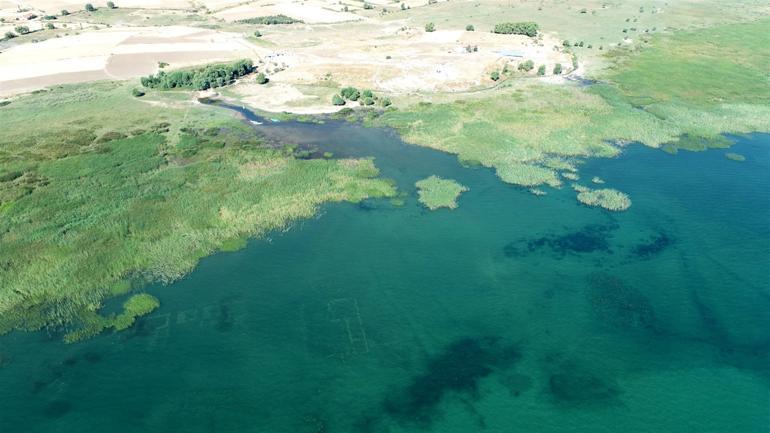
<point>512,313</point>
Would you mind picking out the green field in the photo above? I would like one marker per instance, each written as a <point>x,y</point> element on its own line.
<point>101,200</point>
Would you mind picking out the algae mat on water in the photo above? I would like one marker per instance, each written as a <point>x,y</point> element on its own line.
<point>102,197</point>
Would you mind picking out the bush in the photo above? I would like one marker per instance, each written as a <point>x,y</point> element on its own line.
<point>385,102</point>
<point>403,7</point>
<point>64,12</point>
<point>90,7</point>
<point>430,27</point>
<point>527,66</point>
<point>137,93</point>
<point>49,17</point>
<point>50,26</point>
<point>111,5</point>
<point>257,34</point>
<point>262,79</point>
<point>470,28</point>
<point>494,75</point>
<point>367,101</point>
<point>367,94</point>
<point>350,93</point>
<point>22,30</point>
<point>10,35</point>
<point>566,44</point>
<point>337,100</point>
<point>368,6</point>
<point>541,70</point>
<point>557,69</point>
<point>521,28</point>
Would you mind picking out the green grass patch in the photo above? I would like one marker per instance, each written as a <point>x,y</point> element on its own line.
<point>607,198</point>
<point>80,216</point>
<point>435,192</point>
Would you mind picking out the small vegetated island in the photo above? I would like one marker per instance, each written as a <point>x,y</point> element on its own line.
<point>435,192</point>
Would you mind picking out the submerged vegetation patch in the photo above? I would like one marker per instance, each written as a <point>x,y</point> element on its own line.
<point>619,305</point>
<point>435,192</point>
<point>653,246</point>
<point>572,384</point>
<point>78,216</point>
<point>456,370</point>
<point>590,238</point>
<point>735,157</point>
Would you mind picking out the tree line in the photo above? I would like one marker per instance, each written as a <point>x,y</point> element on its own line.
<point>199,79</point>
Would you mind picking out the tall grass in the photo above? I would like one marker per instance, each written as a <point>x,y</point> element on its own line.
<point>435,192</point>
<point>85,217</point>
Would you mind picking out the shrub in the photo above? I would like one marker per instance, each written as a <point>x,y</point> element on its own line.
<point>367,101</point>
<point>10,35</point>
<point>521,28</point>
<point>385,102</point>
<point>430,27</point>
<point>557,69</point>
<point>470,28</point>
<point>262,79</point>
<point>350,93</point>
<point>337,100</point>
<point>367,94</point>
<point>566,44</point>
<point>22,30</point>
<point>111,5</point>
<point>50,26</point>
<point>526,66</point>
<point>368,6</point>
<point>403,7</point>
<point>65,12</point>
<point>494,75</point>
<point>90,7</point>
<point>541,70</point>
<point>49,17</point>
<point>257,34</point>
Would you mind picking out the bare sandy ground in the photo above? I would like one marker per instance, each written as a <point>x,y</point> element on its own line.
<point>116,53</point>
<point>55,6</point>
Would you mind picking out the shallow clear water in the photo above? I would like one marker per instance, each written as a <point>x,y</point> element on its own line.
<point>510,313</point>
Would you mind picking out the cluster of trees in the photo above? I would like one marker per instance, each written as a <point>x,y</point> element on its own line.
<point>270,20</point>
<point>521,28</point>
<point>200,79</point>
<point>365,97</point>
<point>526,66</point>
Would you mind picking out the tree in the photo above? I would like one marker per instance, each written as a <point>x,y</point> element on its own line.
<point>257,34</point>
<point>350,93</point>
<point>403,7</point>
<point>22,30</point>
<point>65,12</point>
<point>526,66</point>
<point>137,93</point>
<point>541,70</point>
<point>50,26</point>
<point>494,75</point>
<point>262,79</point>
<point>385,102</point>
<point>10,35</point>
<point>557,69</point>
<point>367,94</point>
<point>111,5</point>
<point>367,101</point>
<point>528,28</point>
<point>470,28</point>
<point>90,7</point>
<point>337,100</point>
<point>430,27</point>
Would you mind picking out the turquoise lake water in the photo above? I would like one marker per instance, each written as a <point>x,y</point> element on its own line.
<point>512,313</point>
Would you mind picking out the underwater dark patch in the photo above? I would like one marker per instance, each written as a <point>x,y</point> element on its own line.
<point>458,369</point>
<point>653,246</point>
<point>57,409</point>
<point>581,387</point>
<point>591,238</point>
<point>618,304</point>
<point>224,319</point>
<point>92,357</point>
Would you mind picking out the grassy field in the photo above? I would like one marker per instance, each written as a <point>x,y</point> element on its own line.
<point>101,200</point>
<point>682,91</point>
<point>435,192</point>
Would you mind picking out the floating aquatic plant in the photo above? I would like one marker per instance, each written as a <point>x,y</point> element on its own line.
<point>735,156</point>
